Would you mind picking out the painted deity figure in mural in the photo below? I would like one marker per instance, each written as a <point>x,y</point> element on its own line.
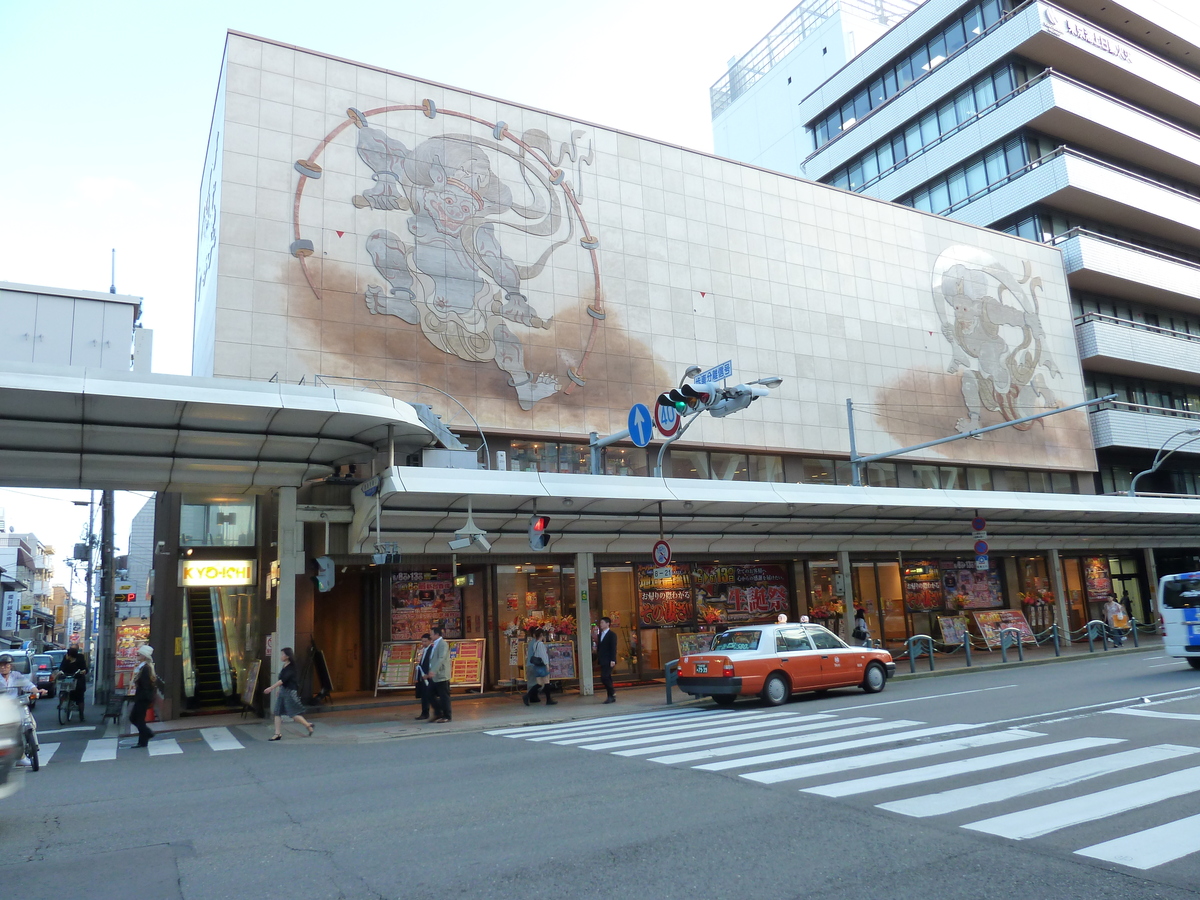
<point>990,318</point>
<point>451,274</point>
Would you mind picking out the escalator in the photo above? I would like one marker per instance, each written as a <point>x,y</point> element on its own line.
<point>205,652</point>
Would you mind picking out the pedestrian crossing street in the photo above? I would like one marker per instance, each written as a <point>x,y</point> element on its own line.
<point>105,749</point>
<point>840,756</point>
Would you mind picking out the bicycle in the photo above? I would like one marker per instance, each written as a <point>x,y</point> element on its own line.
<point>66,686</point>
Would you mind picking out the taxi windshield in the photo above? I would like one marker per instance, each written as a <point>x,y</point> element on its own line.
<point>737,640</point>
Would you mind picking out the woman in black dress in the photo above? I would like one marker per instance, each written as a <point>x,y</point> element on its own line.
<point>287,700</point>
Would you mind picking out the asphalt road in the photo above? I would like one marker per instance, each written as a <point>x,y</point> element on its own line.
<point>990,785</point>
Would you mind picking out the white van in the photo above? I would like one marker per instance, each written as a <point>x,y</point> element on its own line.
<point>1179,610</point>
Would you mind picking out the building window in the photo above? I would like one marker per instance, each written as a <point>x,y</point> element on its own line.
<point>921,59</point>
<point>729,466</point>
<point>625,461</point>
<point>216,523</point>
<point>766,468</point>
<point>817,471</point>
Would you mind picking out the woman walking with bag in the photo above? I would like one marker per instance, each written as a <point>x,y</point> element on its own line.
<point>287,699</point>
<point>145,681</point>
<point>537,668</point>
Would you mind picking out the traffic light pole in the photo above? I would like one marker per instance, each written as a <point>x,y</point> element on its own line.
<point>597,443</point>
<point>857,462</point>
<point>672,439</point>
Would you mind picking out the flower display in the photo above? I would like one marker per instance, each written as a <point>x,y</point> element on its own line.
<point>710,615</point>
<point>827,610</point>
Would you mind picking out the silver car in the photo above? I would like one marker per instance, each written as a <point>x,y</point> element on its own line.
<point>11,744</point>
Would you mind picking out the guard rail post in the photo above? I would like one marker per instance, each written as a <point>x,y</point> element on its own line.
<point>1057,645</point>
<point>1133,630</point>
<point>671,676</point>
<point>967,648</point>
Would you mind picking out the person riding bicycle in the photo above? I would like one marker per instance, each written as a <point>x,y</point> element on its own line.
<point>13,685</point>
<point>75,664</point>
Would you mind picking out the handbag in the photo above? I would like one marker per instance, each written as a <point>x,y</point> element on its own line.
<point>858,633</point>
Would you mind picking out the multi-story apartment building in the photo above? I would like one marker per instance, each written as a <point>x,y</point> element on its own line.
<point>1061,122</point>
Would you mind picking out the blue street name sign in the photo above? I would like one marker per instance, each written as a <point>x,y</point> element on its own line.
<point>716,373</point>
<point>641,426</point>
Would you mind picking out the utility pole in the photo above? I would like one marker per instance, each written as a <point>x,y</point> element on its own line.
<point>89,578</point>
<point>105,651</point>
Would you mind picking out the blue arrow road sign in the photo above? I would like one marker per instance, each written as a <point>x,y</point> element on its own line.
<point>641,426</point>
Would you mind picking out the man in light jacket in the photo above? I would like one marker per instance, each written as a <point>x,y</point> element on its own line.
<point>438,676</point>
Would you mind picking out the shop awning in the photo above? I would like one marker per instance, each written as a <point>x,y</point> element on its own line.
<point>421,508</point>
<point>87,428</point>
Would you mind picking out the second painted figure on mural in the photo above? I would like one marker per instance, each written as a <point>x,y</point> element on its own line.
<point>453,273</point>
<point>990,318</point>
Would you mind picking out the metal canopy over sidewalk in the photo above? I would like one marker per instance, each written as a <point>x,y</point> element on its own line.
<point>86,428</point>
<point>420,508</point>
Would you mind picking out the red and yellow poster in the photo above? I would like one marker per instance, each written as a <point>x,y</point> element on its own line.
<point>421,600</point>
<point>744,593</point>
<point>664,595</point>
<point>992,623</point>
<point>398,659</point>
<point>1096,579</point>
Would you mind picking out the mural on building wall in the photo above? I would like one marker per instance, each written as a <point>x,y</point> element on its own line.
<point>486,215</point>
<point>990,319</point>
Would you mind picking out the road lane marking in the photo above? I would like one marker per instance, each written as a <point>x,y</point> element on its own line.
<point>1039,820</point>
<point>583,723</point>
<point>768,732</point>
<point>64,730</point>
<point>824,736</point>
<point>836,747</point>
<point>1154,714</point>
<point>885,757</point>
<point>958,767</point>
<point>164,747</point>
<point>99,749</point>
<point>999,687</point>
<point>221,739</point>
<point>723,728</point>
<point>743,720</point>
<point>1152,847</point>
<point>969,797</point>
<point>1162,665</point>
<point>46,753</point>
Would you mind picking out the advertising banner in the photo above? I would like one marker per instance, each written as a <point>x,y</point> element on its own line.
<point>1096,579</point>
<point>954,629</point>
<point>421,600</point>
<point>739,593</point>
<point>398,659</point>
<point>991,623</point>
<point>664,595</point>
<point>964,587</point>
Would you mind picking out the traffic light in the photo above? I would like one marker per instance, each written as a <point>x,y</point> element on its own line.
<point>539,537</point>
<point>668,398</point>
<point>696,398</point>
<point>324,576</point>
<point>731,400</point>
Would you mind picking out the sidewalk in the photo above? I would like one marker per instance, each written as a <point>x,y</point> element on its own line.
<point>363,718</point>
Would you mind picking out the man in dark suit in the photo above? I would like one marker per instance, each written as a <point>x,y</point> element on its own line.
<point>423,687</point>
<point>606,656</point>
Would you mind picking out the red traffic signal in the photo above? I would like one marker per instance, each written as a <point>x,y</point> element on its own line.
<point>539,537</point>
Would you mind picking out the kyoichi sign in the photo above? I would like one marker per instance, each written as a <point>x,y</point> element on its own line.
<point>214,572</point>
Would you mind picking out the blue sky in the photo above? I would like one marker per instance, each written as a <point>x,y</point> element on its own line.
<point>106,109</point>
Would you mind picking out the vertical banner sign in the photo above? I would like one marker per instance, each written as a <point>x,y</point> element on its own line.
<point>8,613</point>
<point>733,594</point>
<point>664,594</point>
<point>421,600</point>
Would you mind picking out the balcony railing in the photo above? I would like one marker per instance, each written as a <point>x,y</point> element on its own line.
<point>1144,249</point>
<point>1146,409</point>
<point>783,39</point>
<point>1138,326</point>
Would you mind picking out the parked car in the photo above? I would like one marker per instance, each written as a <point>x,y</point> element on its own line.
<point>10,746</point>
<point>44,671</point>
<point>776,661</point>
<point>58,656</point>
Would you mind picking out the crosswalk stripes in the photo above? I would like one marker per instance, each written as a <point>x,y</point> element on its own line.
<point>220,739</point>
<point>766,745</point>
<point>100,749</point>
<point>969,797</point>
<point>164,747</point>
<point>46,752</point>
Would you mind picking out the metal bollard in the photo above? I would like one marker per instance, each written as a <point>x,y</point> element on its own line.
<point>1057,648</point>
<point>1133,630</point>
<point>912,662</point>
<point>967,648</point>
<point>671,676</point>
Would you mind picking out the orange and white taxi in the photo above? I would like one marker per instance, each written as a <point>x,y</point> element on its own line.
<point>776,661</point>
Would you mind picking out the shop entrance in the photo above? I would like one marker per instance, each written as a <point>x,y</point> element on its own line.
<point>877,590</point>
<point>1127,584</point>
<point>618,601</point>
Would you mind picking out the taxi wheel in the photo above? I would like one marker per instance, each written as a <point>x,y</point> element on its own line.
<point>724,699</point>
<point>1194,662</point>
<point>776,690</point>
<point>874,679</point>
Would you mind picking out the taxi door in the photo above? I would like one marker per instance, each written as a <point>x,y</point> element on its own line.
<point>798,658</point>
<point>839,664</point>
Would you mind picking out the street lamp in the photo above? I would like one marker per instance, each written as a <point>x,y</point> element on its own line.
<point>1160,457</point>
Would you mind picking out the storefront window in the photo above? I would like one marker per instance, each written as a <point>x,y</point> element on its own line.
<point>665,608</point>
<point>766,468</point>
<point>1035,592</point>
<point>625,461</point>
<point>421,599</point>
<point>882,475</point>
<point>825,605</point>
<point>729,466</point>
<point>689,464</point>
<point>217,523</point>
<point>533,596</point>
<point>817,471</point>
<point>533,456</point>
